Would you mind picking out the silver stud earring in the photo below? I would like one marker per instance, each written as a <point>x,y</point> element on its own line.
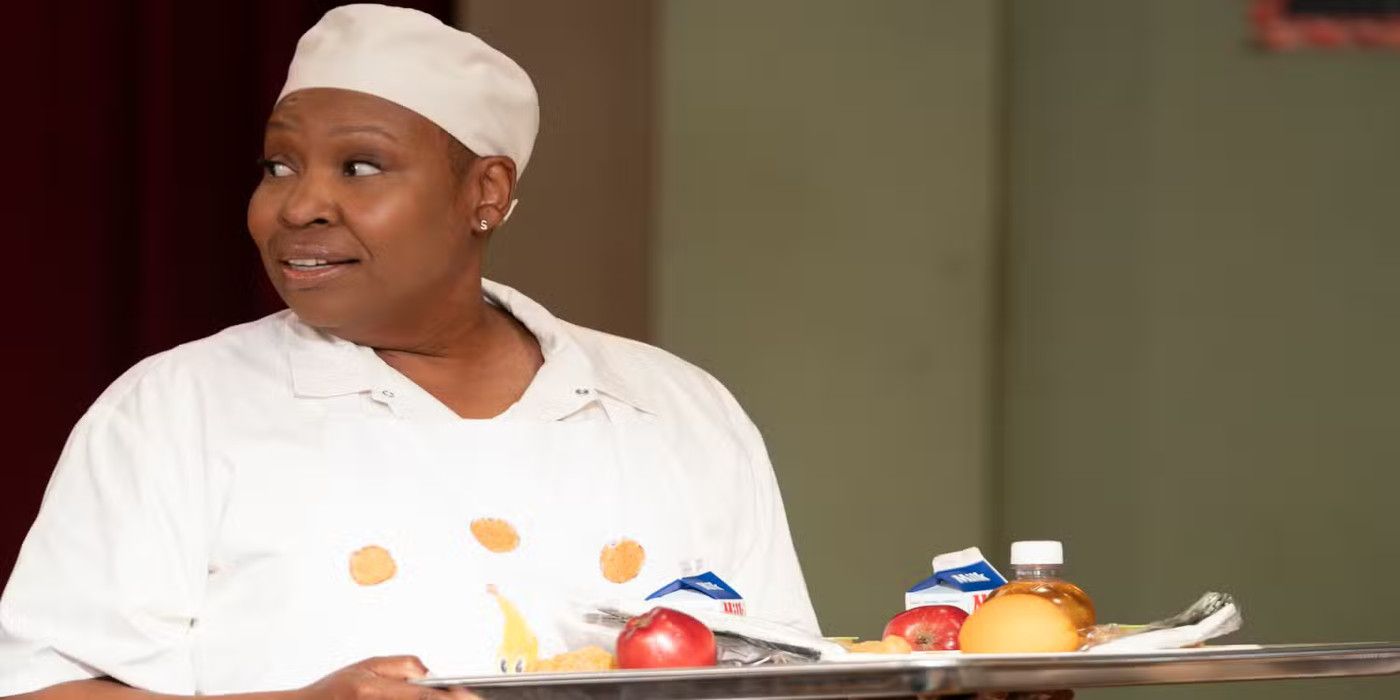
<point>483,225</point>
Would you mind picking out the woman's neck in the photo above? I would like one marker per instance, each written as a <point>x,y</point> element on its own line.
<point>477,362</point>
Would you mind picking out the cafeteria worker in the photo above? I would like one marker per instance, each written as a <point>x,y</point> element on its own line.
<point>411,467</point>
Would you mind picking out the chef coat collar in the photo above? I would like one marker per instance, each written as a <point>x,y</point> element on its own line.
<point>323,365</point>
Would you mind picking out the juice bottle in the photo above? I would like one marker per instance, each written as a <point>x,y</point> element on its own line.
<point>1036,568</point>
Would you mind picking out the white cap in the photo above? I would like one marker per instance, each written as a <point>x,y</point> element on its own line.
<point>1037,552</point>
<point>474,92</point>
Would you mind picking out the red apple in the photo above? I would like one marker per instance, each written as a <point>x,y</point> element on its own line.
<point>665,638</point>
<point>928,628</point>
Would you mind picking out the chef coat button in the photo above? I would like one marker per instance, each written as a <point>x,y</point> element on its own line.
<point>387,394</point>
<point>581,392</point>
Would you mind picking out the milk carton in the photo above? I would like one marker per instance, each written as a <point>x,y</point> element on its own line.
<point>962,579</point>
<point>704,591</point>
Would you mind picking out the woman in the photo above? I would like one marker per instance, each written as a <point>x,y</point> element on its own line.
<point>411,460</point>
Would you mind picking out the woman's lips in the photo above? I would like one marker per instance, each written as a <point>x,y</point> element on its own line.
<point>309,272</point>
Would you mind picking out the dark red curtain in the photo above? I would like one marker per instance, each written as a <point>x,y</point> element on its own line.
<point>133,128</point>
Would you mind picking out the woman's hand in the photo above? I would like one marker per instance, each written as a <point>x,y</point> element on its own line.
<point>380,678</point>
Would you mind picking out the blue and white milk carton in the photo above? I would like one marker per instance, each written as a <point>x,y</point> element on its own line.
<point>703,591</point>
<point>962,579</point>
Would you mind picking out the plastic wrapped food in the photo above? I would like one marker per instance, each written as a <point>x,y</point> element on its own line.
<point>1213,615</point>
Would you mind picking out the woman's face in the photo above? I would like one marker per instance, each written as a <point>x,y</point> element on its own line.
<point>363,216</point>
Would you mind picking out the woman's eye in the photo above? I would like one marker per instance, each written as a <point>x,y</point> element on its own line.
<point>275,169</point>
<point>360,168</point>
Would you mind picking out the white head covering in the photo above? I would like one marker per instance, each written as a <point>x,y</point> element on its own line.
<point>474,92</point>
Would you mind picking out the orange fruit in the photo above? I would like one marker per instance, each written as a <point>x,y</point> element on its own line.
<point>1018,623</point>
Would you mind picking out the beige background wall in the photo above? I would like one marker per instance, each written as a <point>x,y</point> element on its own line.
<point>1203,286</point>
<point>580,240</point>
<point>825,247</point>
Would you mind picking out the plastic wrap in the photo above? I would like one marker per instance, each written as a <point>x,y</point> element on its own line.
<point>1213,615</point>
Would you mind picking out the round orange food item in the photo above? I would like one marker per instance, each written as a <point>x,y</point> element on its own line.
<point>1018,623</point>
<point>495,535</point>
<point>621,561</point>
<point>372,565</point>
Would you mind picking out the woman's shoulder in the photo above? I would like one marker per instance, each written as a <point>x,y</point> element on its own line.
<point>233,355</point>
<point>660,376</point>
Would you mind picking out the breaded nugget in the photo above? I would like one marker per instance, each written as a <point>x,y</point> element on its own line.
<point>893,644</point>
<point>590,658</point>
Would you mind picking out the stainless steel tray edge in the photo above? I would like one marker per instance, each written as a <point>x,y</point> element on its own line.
<point>950,674</point>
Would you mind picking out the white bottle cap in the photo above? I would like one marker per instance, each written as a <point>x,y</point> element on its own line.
<point>1037,552</point>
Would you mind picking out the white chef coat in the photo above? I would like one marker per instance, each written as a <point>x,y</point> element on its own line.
<point>198,531</point>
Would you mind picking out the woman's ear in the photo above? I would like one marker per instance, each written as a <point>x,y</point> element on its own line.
<point>494,178</point>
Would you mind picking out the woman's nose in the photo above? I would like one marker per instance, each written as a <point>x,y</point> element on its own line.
<point>309,203</point>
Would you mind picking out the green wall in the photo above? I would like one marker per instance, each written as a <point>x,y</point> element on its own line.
<point>1089,269</point>
<point>826,218</point>
<point>1202,290</point>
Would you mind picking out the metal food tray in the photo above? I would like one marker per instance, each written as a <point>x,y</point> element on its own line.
<point>951,674</point>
